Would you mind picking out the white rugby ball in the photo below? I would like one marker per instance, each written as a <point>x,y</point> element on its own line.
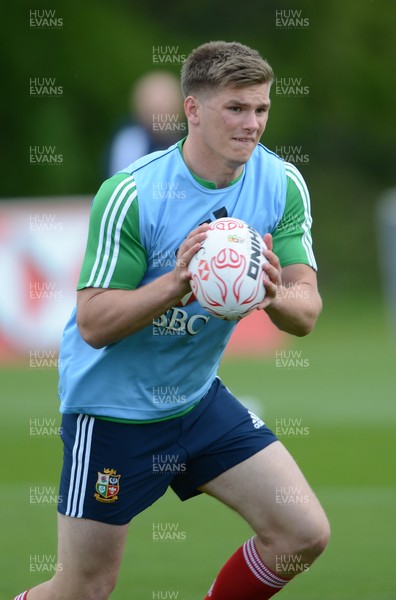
<point>227,277</point>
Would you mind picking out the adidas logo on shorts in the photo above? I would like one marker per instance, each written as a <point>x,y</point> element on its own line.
<point>257,422</point>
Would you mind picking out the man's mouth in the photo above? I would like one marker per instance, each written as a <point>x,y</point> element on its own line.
<point>243,139</point>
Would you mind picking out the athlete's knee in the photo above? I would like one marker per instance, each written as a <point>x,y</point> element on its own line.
<point>301,541</point>
<point>66,587</point>
<point>98,590</point>
<point>312,537</point>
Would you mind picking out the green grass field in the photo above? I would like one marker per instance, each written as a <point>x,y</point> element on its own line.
<point>340,416</point>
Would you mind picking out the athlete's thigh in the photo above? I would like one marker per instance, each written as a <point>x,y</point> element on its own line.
<point>269,491</point>
<point>89,549</point>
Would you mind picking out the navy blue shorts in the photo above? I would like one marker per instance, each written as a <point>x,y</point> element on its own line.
<point>112,471</point>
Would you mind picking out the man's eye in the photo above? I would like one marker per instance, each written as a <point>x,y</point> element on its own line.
<point>235,108</point>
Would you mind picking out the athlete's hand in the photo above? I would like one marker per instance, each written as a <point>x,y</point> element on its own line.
<point>273,273</point>
<point>189,247</point>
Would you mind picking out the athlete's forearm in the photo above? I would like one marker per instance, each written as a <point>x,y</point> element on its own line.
<point>105,316</point>
<point>296,308</point>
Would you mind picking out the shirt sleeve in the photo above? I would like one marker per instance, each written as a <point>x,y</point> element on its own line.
<point>114,255</point>
<point>292,237</point>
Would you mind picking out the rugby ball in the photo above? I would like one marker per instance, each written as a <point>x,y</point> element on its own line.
<point>227,277</point>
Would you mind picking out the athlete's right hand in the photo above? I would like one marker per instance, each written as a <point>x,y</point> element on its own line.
<point>189,247</point>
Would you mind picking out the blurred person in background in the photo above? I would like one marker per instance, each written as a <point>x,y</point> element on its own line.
<point>156,120</point>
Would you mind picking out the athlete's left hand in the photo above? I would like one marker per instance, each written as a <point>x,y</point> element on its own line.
<point>273,273</point>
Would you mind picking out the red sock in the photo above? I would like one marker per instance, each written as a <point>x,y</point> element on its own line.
<point>22,596</point>
<point>245,577</point>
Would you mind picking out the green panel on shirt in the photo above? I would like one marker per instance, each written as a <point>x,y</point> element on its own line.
<point>114,256</point>
<point>292,237</point>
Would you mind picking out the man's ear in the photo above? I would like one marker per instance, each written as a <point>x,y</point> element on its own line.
<point>191,108</point>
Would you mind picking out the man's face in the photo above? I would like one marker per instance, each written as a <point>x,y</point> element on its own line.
<point>231,122</point>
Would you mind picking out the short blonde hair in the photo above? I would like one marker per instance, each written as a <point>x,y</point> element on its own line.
<point>222,64</point>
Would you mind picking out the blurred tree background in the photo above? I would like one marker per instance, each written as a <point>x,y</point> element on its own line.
<point>343,54</point>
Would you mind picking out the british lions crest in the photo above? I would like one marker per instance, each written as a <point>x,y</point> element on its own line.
<point>107,486</point>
